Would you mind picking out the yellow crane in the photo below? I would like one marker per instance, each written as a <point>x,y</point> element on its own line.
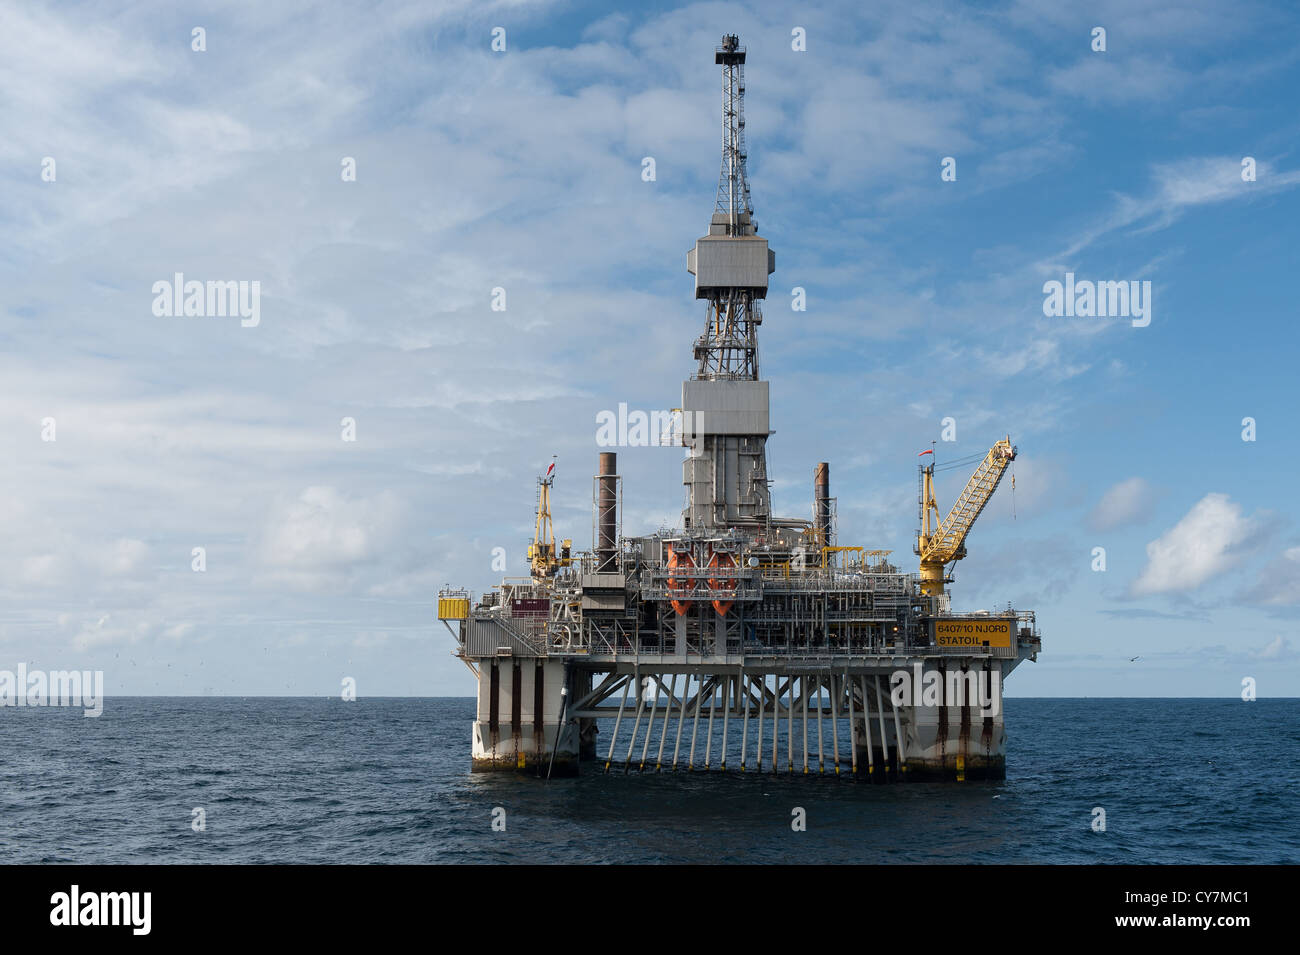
<point>942,542</point>
<point>542,556</point>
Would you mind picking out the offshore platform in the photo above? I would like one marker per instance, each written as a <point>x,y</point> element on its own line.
<point>740,640</point>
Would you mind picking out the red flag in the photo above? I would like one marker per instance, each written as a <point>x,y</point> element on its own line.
<point>926,451</point>
<point>550,469</point>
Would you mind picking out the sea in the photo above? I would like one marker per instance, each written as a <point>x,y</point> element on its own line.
<point>302,780</point>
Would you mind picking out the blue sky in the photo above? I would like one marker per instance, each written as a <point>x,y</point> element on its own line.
<point>521,169</point>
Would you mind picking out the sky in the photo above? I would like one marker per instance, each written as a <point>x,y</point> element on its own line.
<point>130,439</point>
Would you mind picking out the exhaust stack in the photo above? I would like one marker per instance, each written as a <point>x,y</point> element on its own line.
<point>822,503</point>
<point>607,514</point>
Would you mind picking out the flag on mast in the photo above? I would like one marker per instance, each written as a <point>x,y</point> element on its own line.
<point>550,469</point>
<point>926,451</point>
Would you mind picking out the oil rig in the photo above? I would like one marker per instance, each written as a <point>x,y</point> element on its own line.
<point>740,640</point>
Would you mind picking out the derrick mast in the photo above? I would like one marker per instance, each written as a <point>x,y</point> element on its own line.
<point>725,404</point>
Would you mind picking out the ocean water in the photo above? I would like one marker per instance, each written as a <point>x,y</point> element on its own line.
<point>387,780</point>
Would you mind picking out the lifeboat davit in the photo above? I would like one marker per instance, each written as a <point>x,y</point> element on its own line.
<point>680,585</point>
<point>722,561</point>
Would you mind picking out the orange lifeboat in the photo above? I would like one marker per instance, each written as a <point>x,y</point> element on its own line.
<point>722,561</point>
<point>680,585</point>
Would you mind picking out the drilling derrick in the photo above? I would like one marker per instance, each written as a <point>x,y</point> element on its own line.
<point>725,405</point>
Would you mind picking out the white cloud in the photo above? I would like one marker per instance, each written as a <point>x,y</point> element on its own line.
<point>125,557</point>
<point>1278,584</point>
<point>1127,502</point>
<point>41,570</point>
<point>1178,187</point>
<point>1279,648</point>
<point>420,583</point>
<point>322,536</point>
<point>178,631</point>
<point>105,631</point>
<point>1109,80</point>
<point>1206,542</point>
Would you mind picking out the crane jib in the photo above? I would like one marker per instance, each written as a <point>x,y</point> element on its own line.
<point>947,542</point>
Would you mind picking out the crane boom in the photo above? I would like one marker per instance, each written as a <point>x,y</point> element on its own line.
<point>947,541</point>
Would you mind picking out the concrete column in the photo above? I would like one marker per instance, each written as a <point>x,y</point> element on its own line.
<point>945,742</point>
<point>519,748</point>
